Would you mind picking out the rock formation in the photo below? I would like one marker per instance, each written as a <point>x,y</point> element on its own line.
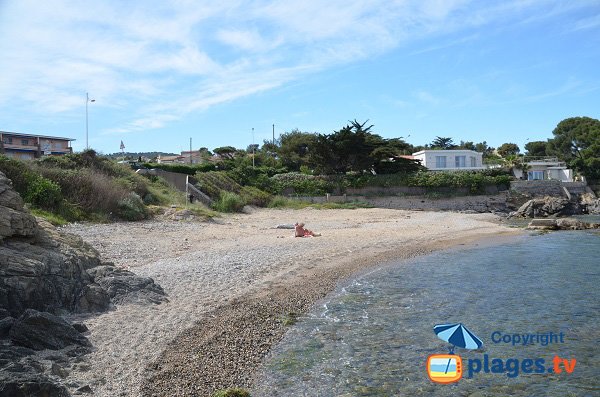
<point>45,273</point>
<point>548,206</point>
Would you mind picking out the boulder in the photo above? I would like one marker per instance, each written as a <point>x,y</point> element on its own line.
<point>547,206</point>
<point>5,325</point>
<point>41,330</point>
<point>123,286</point>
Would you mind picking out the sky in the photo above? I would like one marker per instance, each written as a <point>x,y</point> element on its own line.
<point>223,72</point>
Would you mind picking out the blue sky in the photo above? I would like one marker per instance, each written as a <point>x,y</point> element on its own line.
<point>164,71</point>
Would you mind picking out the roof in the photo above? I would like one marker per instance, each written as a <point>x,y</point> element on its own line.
<point>36,136</point>
<point>445,151</point>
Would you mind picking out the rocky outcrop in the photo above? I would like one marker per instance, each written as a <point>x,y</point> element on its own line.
<point>42,330</point>
<point>561,224</point>
<point>548,207</point>
<point>591,203</point>
<point>45,273</point>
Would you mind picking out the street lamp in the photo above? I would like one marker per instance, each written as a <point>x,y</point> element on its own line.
<point>87,100</point>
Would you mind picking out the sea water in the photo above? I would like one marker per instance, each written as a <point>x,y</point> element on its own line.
<point>372,337</point>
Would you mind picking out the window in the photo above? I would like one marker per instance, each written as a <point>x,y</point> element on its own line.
<point>24,142</point>
<point>440,161</point>
<point>473,161</point>
<point>535,175</point>
<point>459,161</point>
<point>8,140</point>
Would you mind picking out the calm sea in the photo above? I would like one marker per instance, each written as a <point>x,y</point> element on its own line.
<point>372,336</point>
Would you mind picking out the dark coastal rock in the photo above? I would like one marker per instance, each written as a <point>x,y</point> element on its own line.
<point>41,330</point>
<point>546,207</point>
<point>29,384</point>
<point>45,272</point>
<point>5,325</point>
<point>80,327</point>
<point>125,287</point>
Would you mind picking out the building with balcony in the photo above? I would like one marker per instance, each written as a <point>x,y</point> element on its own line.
<point>544,168</point>
<point>30,146</point>
<point>450,160</point>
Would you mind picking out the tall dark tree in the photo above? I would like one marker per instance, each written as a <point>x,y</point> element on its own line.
<point>577,141</point>
<point>442,143</point>
<point>536,148</point>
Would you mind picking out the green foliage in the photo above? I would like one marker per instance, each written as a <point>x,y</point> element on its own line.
<point>577,141</point>
<point>475,181</point>
<point>536,148</point>
<point>508,149</point>
<point>301,184</point>
<point>53,218</point>
<point>190,169</point>
<point>85,186</point>
<point>294,149</point>
<point>33,187</point>
<point>233,392</point>
<point>442,143</point>
<point>255,196</point>
<point>229,202</point>
<point>213,183</point>
<point>132,208</point>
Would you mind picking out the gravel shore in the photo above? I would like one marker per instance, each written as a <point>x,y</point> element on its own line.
<point>234,283</point>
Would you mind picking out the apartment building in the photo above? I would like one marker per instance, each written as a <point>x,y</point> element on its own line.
<point>29,146</point>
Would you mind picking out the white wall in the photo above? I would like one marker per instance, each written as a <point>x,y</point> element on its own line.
<point>428,159</point>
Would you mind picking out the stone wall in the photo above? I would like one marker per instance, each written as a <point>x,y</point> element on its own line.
<point>538,188</point>
<point>486,203</point>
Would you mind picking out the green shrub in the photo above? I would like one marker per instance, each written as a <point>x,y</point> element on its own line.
<point>42,193</point>
<point>229,202</point>
<point>301,184</point>
<point>190,169</point>
<point>233,392</point>
<point>132,208</point>
<point>255,196</point>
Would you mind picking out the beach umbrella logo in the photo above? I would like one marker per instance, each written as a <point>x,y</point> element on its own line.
<point>458,336</point>
<point>447,368</point>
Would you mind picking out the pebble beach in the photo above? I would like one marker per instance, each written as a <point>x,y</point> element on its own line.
<point>235,283</point>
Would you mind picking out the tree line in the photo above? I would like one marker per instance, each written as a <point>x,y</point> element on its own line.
<point>355,148</point>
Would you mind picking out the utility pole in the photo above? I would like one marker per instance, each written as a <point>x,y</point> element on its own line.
<point>190,150</point>
<point>252,147</point>
<point>87,100</point>
<point>273,135</point>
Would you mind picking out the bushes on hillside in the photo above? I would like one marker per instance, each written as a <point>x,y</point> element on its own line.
<point>190,169</point>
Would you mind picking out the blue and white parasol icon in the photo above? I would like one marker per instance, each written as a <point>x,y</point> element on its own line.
<point>457,335</point>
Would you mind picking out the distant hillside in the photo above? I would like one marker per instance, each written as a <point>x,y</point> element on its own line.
<point>136,155</point>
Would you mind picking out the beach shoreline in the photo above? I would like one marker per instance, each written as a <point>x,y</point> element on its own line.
<point>235,286</point>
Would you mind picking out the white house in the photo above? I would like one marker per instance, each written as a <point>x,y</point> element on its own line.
<point>544,168</point>
<point>450,160</point>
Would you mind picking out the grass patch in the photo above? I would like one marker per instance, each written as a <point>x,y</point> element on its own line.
<point>289,319</point>
<point>232,392</point>
<point>53,218</point>
<point>284,202</point>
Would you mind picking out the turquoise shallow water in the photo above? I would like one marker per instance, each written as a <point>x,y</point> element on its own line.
<point>372,337</point>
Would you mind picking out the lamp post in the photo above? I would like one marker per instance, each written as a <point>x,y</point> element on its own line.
<point>87,100</point>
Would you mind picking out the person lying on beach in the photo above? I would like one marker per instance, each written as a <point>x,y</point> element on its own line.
<point>300,231</point>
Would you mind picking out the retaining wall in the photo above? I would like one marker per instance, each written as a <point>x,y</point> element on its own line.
<point>484,203</point>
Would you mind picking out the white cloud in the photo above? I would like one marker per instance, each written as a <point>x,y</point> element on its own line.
<point>184,56</point>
